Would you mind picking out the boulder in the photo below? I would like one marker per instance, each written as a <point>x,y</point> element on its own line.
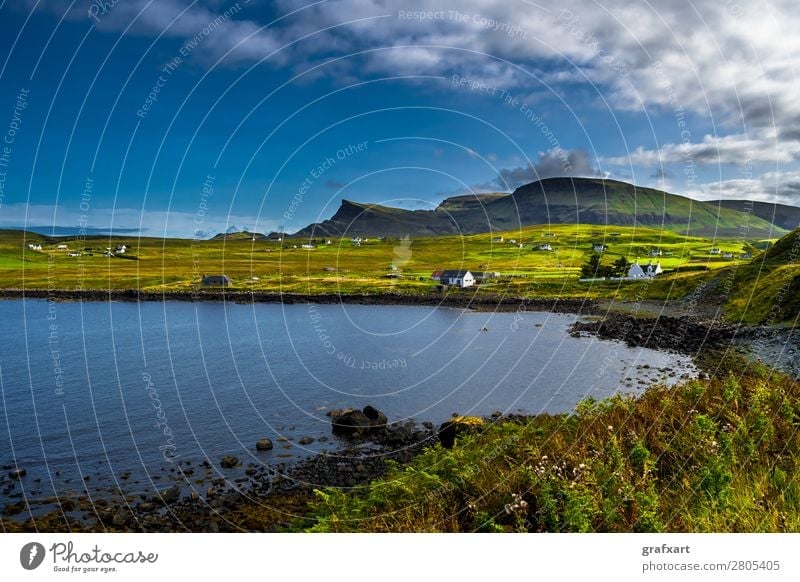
<point>18,474</point>
<point>229,462</point>
<point>171,495</point>
<point>306,440</point>
<point>456,426</point>
<point>357,423</point>
<point>264,445</point>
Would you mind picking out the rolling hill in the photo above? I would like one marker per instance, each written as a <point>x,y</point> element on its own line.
<point>550,201</point>
<point>782,215</point>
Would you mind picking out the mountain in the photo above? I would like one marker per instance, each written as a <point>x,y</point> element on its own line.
<point>550,201</point>
<point>782,215</point>
<point>242,235</point>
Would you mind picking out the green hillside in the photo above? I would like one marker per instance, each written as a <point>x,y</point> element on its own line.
<point>550,201</point>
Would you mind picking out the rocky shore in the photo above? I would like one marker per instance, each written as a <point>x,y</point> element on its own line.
<point>234,496</point>
<point>459,299</point>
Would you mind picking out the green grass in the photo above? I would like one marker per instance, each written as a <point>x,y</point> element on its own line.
<point>341,267</point>
<point>715,455</point>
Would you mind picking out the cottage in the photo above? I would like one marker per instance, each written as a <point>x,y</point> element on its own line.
<point>636,271</point>
<point>497,239</point>
<point>481,276</point>
<point>653,270</point>
<point>460,278</point>
<point>599,248</point>
<point>545,247</point>
<point>121,249</point>
<point>216,281</point>
<point>34,247</point>
<point>656,252</point>
<point>745,256</point>
<point>306,246</point>
<point>714,251</point>
<point>436,275</point>
<point>62,247</point>
<point>74,254</point>
<point>727,255</point>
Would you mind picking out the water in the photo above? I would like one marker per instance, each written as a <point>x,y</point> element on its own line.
<point>124,390</point>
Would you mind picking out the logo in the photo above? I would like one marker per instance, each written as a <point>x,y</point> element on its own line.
<point>31,555</point>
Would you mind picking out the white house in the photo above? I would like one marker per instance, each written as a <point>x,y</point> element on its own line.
<point>599,248</point>
<point>307,246</point>
<point>652,270</point>
<point>635,272</point>
<point>61,247</point>
<point>458,278</point>
<point>545,247</point>
<point>714,251</point>
<point>34,247</point>
<point>727,255</point>
<point>121,249</point>
<point>73,254</point>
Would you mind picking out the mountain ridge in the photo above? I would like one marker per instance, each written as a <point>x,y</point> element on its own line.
<point>549,201</point>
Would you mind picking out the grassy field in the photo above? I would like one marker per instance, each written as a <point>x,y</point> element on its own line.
<point>154,264</point>
<point>716,455</point>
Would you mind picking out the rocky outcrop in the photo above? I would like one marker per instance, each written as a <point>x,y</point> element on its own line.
<point>352,423</point>
<point>456,426</point>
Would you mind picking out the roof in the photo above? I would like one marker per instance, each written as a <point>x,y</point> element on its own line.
<point>455,273</point>
<point>215,279</point>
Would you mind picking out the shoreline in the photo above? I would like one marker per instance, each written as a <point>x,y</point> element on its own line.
<point>459,299</point>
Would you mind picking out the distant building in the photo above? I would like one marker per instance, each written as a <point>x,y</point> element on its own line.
<point>216,281</point>
<point>656,252</point>
<point>121,249</point>
<point>34,246</point>
<point>497,239</point>
<point>481,276</point>
<point>74,254</point>
<point>727,255</point>
<point>436,275</point>
<point>545,247</point>
<point>599,248</point>
<point>307,246</point>
<point>636,271</point>
<point>714,251</point>
<point>61,247</point>
<point>746,256</point>
<point>652,270</point>
<point>458,278</point>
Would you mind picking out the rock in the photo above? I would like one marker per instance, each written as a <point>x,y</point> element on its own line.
<point>306,440</point>
<point>458,425</point>
<point>357,423</point>
<point>228,462</point>
<point>120,519</point>
<point>171,495</point>
<point>18,474</point>
<point>264,445</point>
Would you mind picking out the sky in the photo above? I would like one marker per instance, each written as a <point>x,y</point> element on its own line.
<point>189,118</point>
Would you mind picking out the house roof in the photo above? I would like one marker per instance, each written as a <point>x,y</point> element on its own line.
<point>452,273</point>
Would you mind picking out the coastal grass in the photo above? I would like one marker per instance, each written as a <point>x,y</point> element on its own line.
<point>156,264</point>
<point>715,455</point>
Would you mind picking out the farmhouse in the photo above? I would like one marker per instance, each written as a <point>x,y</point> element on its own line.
<point>656,252</point>
<point>216,281</point>
<point>62,247</point>
<point>545,247</point>
<point>436,275</point>
<point>636,271</point>
<point>34,247</point>
<point>649,270</point>
<point>652,270</point>
<point>307,246</point>
<point>714,251</point>
<point>481,276</point>
<point>459,278</point>
<point>599,248</point>
<point>121,249</point>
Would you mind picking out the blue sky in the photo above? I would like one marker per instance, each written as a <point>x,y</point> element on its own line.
<point>402,103</point>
